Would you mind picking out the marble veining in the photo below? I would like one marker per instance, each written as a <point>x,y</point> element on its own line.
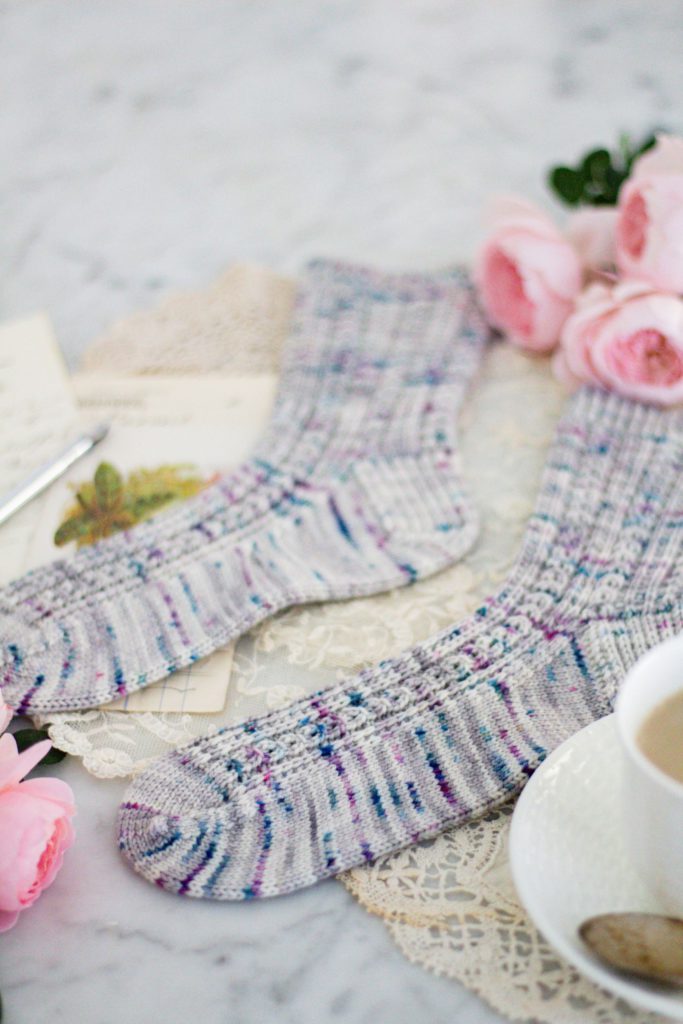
<point>145,147</point>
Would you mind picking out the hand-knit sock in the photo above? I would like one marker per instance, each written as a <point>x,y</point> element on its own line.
<point>455,726</point>
<point>354,488</point>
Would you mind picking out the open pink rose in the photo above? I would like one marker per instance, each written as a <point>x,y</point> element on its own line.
<point>627,338</point>
<point>528,276</point>
<point>649,229</point>
<point>35,826</point>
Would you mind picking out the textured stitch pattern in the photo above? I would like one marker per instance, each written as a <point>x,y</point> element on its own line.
<point>457,724</point>
<point>354,488</point>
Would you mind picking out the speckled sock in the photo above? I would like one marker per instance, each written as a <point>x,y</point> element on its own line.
<point>456,725</point>
<point>355,488</point>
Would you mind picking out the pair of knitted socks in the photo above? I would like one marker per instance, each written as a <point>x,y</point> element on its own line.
<point>355,488</point>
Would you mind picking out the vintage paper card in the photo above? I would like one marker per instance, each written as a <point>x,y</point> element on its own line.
<point>169,438</point>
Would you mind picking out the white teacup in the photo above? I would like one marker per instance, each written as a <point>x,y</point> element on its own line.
<point>653,801</point>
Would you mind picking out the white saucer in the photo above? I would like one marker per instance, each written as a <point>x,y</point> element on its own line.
<point>569,861</point>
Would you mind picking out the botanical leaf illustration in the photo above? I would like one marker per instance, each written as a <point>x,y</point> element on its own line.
<point>109,503</point>
<point>108,486</point>
<point>73,528</point>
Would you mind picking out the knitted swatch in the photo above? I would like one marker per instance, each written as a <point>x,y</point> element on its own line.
<point>456,725</point>
<point>354,489</point>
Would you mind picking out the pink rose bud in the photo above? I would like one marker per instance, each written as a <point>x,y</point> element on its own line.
<point>650,220</point>
<point>35,826</point>
<point>628,339</point>
<point>528,276</point>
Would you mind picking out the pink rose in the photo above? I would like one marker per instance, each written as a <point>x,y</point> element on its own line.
<point>35,826</point>
<point>650,221</point>
<point>528,276</point>
<point>627,338</point>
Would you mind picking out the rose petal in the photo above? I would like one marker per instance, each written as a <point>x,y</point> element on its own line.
<point>650,231</point>
<point>629,339</point>
<point>34,835</point>
<point>13,769</point>
<point>8,919</point>
<point>527,275</point>
<point>592,233</point>
<point>508,209</point>
<point>25,826</point>
<point>6,716</point>
<point>552,263</point>
<point>562,371</point>
<point>8,748</point>
<point>665,157</point>
<point>55,790</point>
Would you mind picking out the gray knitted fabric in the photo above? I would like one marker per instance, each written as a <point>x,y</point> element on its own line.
<point>457,724</point>
<point>355,488</point>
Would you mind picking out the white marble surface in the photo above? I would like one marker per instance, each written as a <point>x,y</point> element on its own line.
<point>105,947</point>
<point>146,144</point>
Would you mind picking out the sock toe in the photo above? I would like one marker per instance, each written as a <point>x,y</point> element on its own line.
<point>187,833</point>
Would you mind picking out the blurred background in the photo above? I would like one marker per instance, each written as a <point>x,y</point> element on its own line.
<point>147,145</point>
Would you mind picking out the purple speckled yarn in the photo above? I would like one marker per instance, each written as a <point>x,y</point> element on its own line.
<point>354,488</point>
<point>456,725</point>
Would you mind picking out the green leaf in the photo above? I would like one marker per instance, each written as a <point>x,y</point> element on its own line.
<point>649,142</point>
<point>26,738</point>
<point>602,179</point>
<point>53,756</point>
<point>72,528</point>
<point>634,152</point>
<point>108,485</point>
<point>614,179</point>
<point>599,175</point>
<point>85,496</point>
<point>145,506</point>
<point>596,164</point>
<point>567,183</point>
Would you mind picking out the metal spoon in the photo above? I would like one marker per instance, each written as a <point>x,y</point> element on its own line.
<point>646,945</point>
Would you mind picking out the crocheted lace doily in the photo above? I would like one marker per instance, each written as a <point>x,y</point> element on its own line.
<point>234,326</point>
<point>449,904</point>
